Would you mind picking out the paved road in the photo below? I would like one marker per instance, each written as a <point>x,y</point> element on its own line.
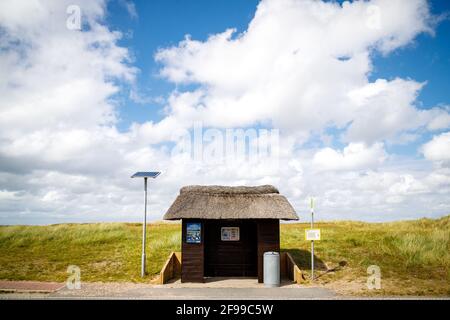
<point>184,294</point>
<point>231,293</point>
<point>208,293</point>
<point>247,291</point>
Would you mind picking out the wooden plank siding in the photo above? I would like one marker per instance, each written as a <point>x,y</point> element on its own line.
<point>192,255</point>
<point>268,235</point>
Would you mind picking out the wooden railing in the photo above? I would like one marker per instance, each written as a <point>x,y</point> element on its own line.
<point>171,269</point>
<point>289,269</point>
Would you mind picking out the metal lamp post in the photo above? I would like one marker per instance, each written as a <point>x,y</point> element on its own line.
<point>144,175</point>
<point>312,241</point>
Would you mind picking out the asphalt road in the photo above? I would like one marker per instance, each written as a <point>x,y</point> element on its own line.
<point>183,294</point>
<point>158,292</point>
<point>233,293</point>
<point>230,293</point>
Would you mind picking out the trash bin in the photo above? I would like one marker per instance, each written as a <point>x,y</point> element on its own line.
<point>271,267</point>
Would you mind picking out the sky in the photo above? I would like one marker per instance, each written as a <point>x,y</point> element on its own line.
<point>350,98</point>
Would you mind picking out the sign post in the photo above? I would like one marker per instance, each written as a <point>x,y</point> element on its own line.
<point>312,235</point>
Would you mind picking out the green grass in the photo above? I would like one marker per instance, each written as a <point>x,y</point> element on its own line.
<point>414,256</point>
<point>104,252</point>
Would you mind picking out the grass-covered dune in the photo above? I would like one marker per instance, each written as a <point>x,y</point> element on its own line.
<point>414,256</point>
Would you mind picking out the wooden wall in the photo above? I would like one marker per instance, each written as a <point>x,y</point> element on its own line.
<point>192,255</point>
<point>268,233</point>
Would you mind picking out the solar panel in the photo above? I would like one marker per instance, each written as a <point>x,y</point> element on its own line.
<point>152,174</point>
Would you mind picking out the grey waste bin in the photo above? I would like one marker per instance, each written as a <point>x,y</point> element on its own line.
<point>271,269</point>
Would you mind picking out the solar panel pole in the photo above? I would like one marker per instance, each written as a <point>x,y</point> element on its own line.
<point>312,241</point>
<point>145,175</point>
<point>144,230</point>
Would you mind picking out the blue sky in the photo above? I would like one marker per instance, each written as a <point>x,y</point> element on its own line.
<point>164,23</point>
<point>81,110</point>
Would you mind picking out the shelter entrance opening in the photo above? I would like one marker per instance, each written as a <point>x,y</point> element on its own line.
<point>230,248</point>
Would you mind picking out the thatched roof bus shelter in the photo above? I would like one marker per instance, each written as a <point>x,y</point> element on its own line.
<point>226,230</point>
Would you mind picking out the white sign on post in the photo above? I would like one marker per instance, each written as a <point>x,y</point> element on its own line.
<point>312,234</point>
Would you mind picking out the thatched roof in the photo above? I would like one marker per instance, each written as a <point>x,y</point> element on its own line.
<point>219,202</point>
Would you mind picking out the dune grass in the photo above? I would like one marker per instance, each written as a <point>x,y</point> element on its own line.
<point>104,252</point>
<point>414,256</point>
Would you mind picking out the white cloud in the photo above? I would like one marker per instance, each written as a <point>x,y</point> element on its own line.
<point>7,195</point>
<point>355,156</point>
<point>390,104</point>
<point>438,149</point>
<point>130,7</point>
<point>440,118</point>
<point>286,69</point>
<point>386,110</point>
